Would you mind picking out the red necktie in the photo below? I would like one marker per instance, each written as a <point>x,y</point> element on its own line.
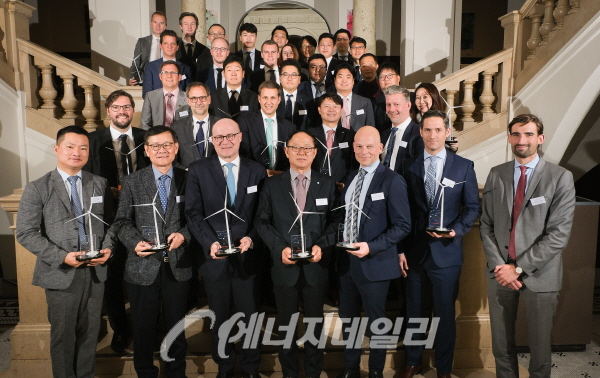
<point>330,140</point>
<point>169,110</point>
<point>519,197</point>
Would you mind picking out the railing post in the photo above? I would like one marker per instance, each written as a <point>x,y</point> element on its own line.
<point>68,102</point>
<point>574,6</point>
<point>560,12</point>
<point>47,91</point>
<point>468,106</point>
<point>89,112</point>
<point>450,95</point>
<point>536,37</point>
<point>548,24</point>
<point>487,97</point>
<point>16,20</point>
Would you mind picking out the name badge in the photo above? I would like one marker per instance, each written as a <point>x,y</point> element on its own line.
<point>183,77</point>
<point>449,183</point>
<point>244,108</point>
<point>302,112</point>
<point>97,199</point>
<point>360,111</point>
<point>538,201</point>
<point>261,66</point>
<point>332,72</point>
<point>321,201</point>
<point>343,145</point>
<point>180,199</point>
<point>403,143</point>
<point>251,189</point>
<point>377,196</point>
<point>184,113</point>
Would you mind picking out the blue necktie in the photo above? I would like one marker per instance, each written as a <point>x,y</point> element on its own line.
<point>77,210</point>
<point>200,138</point>
<point>390,147</point>
<point>231,183</point>
<point>430,180</point>
<point>288,108</point>
<point>162,192</point>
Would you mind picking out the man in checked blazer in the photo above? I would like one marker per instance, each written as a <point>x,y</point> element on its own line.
<point>523,245</point>
<point>74,289</point>
<point>163,274</point>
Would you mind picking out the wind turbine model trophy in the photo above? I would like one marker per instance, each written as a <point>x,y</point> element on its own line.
<point>299,251</point>
<point>94,251</point>
<point>267,160</point>
<point>226,249</point>
<point>452,139</point>
<point>327,171</point>
<point>157,244</point>
<point>137,70</point>
<point>206,141</point>
<point>345,240</point>
<point>436,215</point>
<point>127,154</point>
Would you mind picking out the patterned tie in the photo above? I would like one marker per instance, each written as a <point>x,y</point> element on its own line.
<point>200,138</point>
<point>352,220</point>
<point>288,107</point>
<point>269,136</point>
<point>231,184</point>
<point>519,197</point>
<point>76,208</point>
<point>301,191</point>
<point>157,50</point>
<point>234,105</point>
<point>126,161</point>
<point>219,78</point>
<point>162,191</point>
<point>430,180</point>
<point>330,134</point>
<point>169,109</point>
<point>390,147</point>
<point>272,75</point>
<point>346,113</point>
<point>319,89</point>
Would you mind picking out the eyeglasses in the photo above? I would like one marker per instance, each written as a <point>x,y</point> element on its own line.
<point>221,49</point>
<point>297,150</point>
<point>219,138</point>
<point>290,75</point>
<point>199,98</point>
<point>116,108</point>
<point>320,67</point>
<point>169,73</point>
<point>156,147</point>
<point>387,77</point>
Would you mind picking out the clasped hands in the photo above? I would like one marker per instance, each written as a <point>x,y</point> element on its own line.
<point>506,275</point>
<point>286,255</point>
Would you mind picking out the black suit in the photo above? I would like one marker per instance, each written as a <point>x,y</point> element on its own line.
<point>342,159</point>
<point>188,152</point>
<point>382,122</point>
<point>219,106</point>
<point>182,55</point>
<point>231,278</point>
<point>414,144</point>
<point>276,214</point>
<point>258,60</point>
<point>300,113</point>
<point>330,69</point>
<point>255,78</point>
<point>254,140</point>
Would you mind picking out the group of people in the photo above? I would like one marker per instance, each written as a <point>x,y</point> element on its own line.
<point>284,172</point>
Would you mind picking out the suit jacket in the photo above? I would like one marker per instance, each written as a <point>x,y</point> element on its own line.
<point>43,226</point>
<point>188,152</point>
<point>277,212</point>
<point>337,57</point>
<point>305,88</point>
<point>140,188</point>
<point>255,78</point>
<point>387,225</point>
<point>207,76</point>
<point>361,105</point>
<point>153,111</point>
<point>258,60</point>
<point>342,160</point>
<point>181,55</point>
<point>254,140</point>
<point>330,69</point>
<point>542,230</point>
<point>461,210</point>
<point>102,161</point>
<point>300,113</point>
<point>206,195</point>
<point>152,81</point>
<point>141,53</point>
<point>219,105</point>
<point>368,90</point>
<point>414,144</point>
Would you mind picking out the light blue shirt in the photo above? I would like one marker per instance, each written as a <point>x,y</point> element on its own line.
<point>365,188</point>
<point>158,174</point>
<point>529,172</point>
<point>439,169</point>
<point>65,176</point>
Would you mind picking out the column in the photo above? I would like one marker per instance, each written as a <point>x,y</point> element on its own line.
<point>199,8</point>
<point>364,22</point>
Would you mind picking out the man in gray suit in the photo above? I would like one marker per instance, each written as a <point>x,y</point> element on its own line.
<point>528,207</point>
<point>156,277</point>
<point>165,105</point>
<point>357,111</point>
<point>74,288</point>
<point>147,48</point>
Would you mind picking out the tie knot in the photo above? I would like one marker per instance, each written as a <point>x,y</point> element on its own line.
<point>300,178</point>
<point>123,136</point>
<point>432,158</point>
<point>219,70</point>
<point>523,169</point>
<point>330,132</point>
<point>362,172</point>
<point>233,92</point>
<point>163,178</point>
<point>229,166</point>
<point>272,71</point>
<point>169,95</point>
<point>289,96</point>
<point>269,121</point>
<point>72,179</point>
<point>200,123</point>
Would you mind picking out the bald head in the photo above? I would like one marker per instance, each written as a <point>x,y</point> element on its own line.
<point>367,145</point>
<point>226,138</point>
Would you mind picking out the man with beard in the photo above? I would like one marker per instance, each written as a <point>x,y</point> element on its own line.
<point>113,154</point>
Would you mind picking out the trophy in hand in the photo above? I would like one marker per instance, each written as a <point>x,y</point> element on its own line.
<point>224,237</point>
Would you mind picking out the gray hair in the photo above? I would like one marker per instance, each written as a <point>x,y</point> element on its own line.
<point>397,89</point>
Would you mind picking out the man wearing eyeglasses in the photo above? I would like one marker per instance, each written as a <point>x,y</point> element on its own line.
<point>227,177</point>
<point>215,31</point>
<point>293,106</point>
<point>165,105</point>
<point>282,198</point>
<point>317,70</point>
<point>213,75</point>
<point>358,46</point>
<point>153,196</point>
<point>342,37</point>
<point>388,74</point>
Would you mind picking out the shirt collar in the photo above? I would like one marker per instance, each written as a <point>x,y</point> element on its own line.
<point>404,124</point>
<point>295,174</point>
<point>265,116</point>
<point>115,134</point>
<point>236,161</point>
<point>238,89</point>
<point>532,164</point>
<point>175,92</point>
<point>371,168</point>
<point>441,154</point>
<point>205,119</point>
<point>157,173</point>
<point>349,97</point>
<point>285,93</point>
<point>215,66</point>
<point>64,175</point>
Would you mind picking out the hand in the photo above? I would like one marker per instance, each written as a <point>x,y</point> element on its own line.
<point>141,247</point>
<point>506,274</point>
<point>515,285</point>
<point>71,259</point>
<point>363,249</point>
<point>175,240</point>
<point>450,235</point>
<point>403,265</point>
<point>133,81</point>
<point>245,244</point>
<point>101,260</point>
<point>271,172</point>
<point>116,192</point>
<point>339,186</point>
<point>286,254</point>
<point>317,254</point>
<point>453,146</point>
<point>214,248</point>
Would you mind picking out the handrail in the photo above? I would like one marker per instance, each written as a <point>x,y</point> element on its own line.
<point>474,69</point>
<point>527,7</point>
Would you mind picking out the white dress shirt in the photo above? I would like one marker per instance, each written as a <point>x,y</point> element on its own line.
<point>236,168</point>
<point>397,139</point>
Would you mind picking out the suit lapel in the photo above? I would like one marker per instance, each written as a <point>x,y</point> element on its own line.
<point>176,183</point>
<point>242,184</point>
<point>87,190</point>
<point>508,182</point>
<point>107,155</point>
<point>217,172</point>
<point>285,188</point>
<point>313,192</point>
<point>375,183</point>
<point>138,138</point>
<point>150,186</point>
<point>535,180</point>
<point>61,190</point>
<point>419,169</point>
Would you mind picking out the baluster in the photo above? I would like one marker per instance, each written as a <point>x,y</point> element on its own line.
<point>47,91</point>
<point>68,102</point>
<point>89,112</point>
<point>487,97</point>
<point>450,99</point>
<point>574,6</point>
<point>536,37</point>
<point>560,12</point>
<point>468,106</point>
<point>548,24</point>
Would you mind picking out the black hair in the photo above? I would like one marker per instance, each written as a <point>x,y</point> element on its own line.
<point>248,27</point>
<point>157,130</point>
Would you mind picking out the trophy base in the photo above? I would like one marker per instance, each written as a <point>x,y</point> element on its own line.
<point>439,231</point>
<point>90,255</point>
<point>347,246</point>
<point>301,256</point>
<point>158,248</point>
<point>227,252</point>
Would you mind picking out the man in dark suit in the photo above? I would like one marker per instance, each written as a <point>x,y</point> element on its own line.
<point>46,228</point>
<point>293,106</point>
<point>326,44</point>
<point>528,206</point>
<point>147,48</point>
<point>368,86</point>
<point>342,39</point>
<point>357,111</point>
<point>228,280</point>
<point>213,75</point>
<point>234,99</point>
<point>436,257</point>
<point>270,54</point>
<point>388,74</point>
<point>403,140</point>
<point>194,131</point>
<point>317,70</point>
<point>358,46</point>
<point>265,132</point>
<point>162,274</point>
<point>334,157</point>
<point>168,45</point>
<point>190,50</point>
<point>112,159</point>
<point>377,218</point>
<point>252,57</point>
<point>280,198</point>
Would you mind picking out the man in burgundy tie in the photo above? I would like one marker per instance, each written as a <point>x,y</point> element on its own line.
<point>528,206</point>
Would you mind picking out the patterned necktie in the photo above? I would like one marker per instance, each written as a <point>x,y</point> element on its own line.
<point>352,220</point>
<point>77,210</point>
<point>330,134</point>
<point>288,107</point>
<point>126,161</point>
<point>234,105</point>
<point>301,191</point>
<point>519,197</point>
<point>219,78</point>
<point>390,147</point>
<point>346,113</point>
<point>169,109</point>
<point>231,184</point>
<point>319,89</point>
<point>430,180</point>
<point>269,136</point>
<point>162,192</point>
<point>272,75</point>
<point>157,50</point>
<point>200,138</point>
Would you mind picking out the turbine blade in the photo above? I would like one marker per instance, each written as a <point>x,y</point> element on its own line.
<point>296,220</point>
<point>97,217</point>
<point>214,214</point>
<point>231,212</point>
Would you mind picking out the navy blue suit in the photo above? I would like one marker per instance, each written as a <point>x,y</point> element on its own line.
<point>207,76</point>
<point>305,88</point>
<point>300,113</point>
<point>152,81</point>
<point>436,259</point>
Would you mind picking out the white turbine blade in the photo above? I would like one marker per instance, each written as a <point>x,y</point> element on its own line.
<point>158,212</point>
<point>144,204</point>
<point>297,207</point>
<point>135,148</point>
<point>202,141</point>
<point>82,215</point>
<point>231,212</point>
<point>215,213</point>
<point>312,212</point>
<point>318,140</point>
<point>365,214</point>
<point>296,220</point>
<point>95,216</point>
<point>268,145</point>
<point>339,207</point>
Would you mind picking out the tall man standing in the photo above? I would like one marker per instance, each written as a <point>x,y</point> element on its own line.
<point>190,50</point>
<point>357,111</point>
<point>147,48</point>
<point>342,38</point>
<point>212,75</point>
<point>252,57</point>
<point>528,206</point>
<point>232,100</point>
